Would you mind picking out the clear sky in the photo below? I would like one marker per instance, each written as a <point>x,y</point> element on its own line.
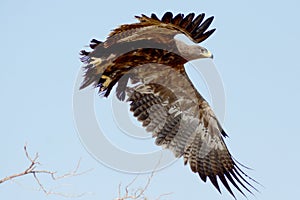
<point>255,48</point>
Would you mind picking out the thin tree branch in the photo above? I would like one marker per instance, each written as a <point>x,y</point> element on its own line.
<point>139,194</point>
<point>31,169</point>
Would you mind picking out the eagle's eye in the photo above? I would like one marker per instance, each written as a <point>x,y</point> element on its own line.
<point>203,50</point>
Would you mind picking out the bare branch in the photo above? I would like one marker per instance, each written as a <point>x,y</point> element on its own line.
<point>133,180</point>
<point>166,194</point>
<point>138,194</point>
<point>31,169</point>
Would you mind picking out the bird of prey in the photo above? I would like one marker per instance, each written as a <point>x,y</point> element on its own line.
<point>146,61</point>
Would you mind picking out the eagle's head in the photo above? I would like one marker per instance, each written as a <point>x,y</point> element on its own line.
<point>192,52</point>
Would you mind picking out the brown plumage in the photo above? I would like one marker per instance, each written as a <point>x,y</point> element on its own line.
<point>161,95</point>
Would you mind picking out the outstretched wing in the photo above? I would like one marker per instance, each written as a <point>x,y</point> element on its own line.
<point>149,32</point>
<point>169,107</point>
<point>163,29</point>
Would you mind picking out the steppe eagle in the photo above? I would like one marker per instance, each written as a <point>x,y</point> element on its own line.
<point>147,63</point>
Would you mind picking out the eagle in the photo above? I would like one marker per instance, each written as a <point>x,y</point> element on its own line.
<point>146,62</point>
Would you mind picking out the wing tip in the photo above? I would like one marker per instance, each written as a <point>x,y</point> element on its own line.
<point>189,25</point>
<point>235,176</point>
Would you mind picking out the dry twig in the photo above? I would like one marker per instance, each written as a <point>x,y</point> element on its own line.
<point>139,194</point>
<point>31,169</point>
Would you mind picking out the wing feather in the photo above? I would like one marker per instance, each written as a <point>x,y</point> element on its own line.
<point>197,22</point>
<point>153,16</point>
<point>177,19</point>
<point>187,21</point>
<point>214,181</point>
<point>169,25</point>
<point>167,18</point>
<point>196,137</point>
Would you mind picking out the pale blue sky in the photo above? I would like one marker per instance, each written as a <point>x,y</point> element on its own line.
<point>255,48</point>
